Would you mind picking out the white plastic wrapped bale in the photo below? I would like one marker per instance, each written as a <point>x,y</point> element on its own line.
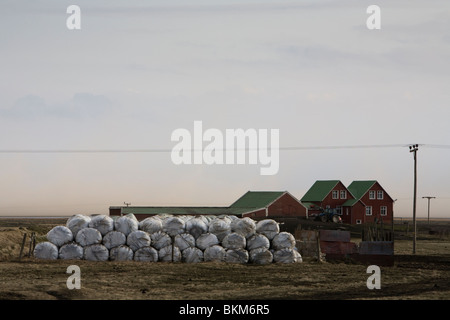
<point>87,236</point>
<point>244,226</point>
<point>151,225</point>
<point>165,254</point>
<point>160,240</point>
<point>173,226</point>
<point>283,240</point>
<point>60,235</point>
<point>234,241</point>
<point>287,255</point>
<point>184,241</point>
<point>147,254</point>
<point>214,253</point>
<point>196,227</point>
<point>237,256</point>
<point>220,227</point>
<point>114,239</point>
<point>121,253</point>
<point>102,223</point>
<point>46,250</point>
<point>96,252</point>
<point>138,239</point>
<point>126,224</point>
<point>71,251</point>
<point>261,256</point>
<point>77,222</point>
<point>268,227</point>
<point>206,240</point>
<point>258,241</point>
<point>192,255</point>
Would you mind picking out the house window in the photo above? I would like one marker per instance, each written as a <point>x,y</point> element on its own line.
<point>380,194</point>
<point>343,194</point>
<point>372,194</point>
<point>339,210</point>
<point>335,194</point>
<point>383,211</point>
<point>358,221</point>
<point>368,211</point>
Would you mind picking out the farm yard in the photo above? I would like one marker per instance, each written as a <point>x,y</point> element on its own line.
<point>422,276</point>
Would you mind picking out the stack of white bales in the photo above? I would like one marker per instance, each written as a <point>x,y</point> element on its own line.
<point>187,239</point>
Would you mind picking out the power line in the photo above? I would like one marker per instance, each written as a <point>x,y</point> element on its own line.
<point>293,148</point>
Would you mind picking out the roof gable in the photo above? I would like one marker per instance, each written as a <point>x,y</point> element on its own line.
<point>359,188</point>
<point>257,199</point>
<point>319,190</point>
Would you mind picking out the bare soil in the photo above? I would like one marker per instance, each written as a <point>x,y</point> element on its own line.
<point>422,276</point>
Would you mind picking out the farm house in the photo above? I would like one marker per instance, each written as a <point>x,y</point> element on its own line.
<point>361,202</point>
<point>253,204</point>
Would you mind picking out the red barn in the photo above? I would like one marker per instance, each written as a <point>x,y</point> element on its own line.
<point>254,204</point>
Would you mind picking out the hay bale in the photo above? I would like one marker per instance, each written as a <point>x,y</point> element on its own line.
<point>165,254</point>
<point>258,241</point>
<point>60,235</point>
<point>96,252</point>
<point>196,227</point>
<point>102,223</point>
<point>234,241</point>
<point>147,254</point>
<point>237,256</point>
<point>192,255</point>
<point>283,240</point>
<point>173,226</point>
<point>220,227</point>
<point>160,240</point>
<point>184,241</point>
<point>77,222</point>
<point>244,226</point>
<point>126,224</point>
<point>114,239</point>
<point>151,225</point>
<point>287,255</point>
<point>215,253</point>
<point>46,250</point>
<point>268,227</point>
<point>261,256</point>
<point>71,251</point>
<point>87,236</point>
<point>121,253</point>
<point>206,240</point>
<point>138,239</point>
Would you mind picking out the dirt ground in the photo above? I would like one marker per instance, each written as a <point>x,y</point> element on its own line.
<point>424,275</point>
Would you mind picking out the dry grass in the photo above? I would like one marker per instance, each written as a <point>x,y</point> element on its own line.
<point>425,275</point>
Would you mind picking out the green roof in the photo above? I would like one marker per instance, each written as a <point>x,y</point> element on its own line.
<point>319,190</point>
<point>360,188</point>
<point>257,199</point>
<point>350,202</point>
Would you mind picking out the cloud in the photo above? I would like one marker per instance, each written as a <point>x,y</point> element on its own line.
<point>80,106</point>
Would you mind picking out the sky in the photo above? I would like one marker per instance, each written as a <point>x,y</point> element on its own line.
<point>138,70</point>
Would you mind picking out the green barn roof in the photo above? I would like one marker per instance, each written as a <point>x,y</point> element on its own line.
<point>257,199</point>
<point>319,190</point>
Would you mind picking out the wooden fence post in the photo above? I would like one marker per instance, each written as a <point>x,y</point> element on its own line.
<point>23,244</point>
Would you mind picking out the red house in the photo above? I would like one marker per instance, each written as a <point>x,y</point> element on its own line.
<point>372,203</point>
<point>362,202</point>
<point>326,194</point>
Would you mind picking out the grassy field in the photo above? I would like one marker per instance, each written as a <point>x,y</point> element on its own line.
<point>424,275</point>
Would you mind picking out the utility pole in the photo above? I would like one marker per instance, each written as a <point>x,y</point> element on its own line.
<point>413,148</point>
<point>429,198</point>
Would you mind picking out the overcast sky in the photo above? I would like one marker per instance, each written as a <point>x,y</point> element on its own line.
<point>138,70</point>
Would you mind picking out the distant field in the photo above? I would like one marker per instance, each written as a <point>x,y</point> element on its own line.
<point>425,275</point>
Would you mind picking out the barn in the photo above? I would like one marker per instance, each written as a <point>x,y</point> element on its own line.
<point>254,204</point>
